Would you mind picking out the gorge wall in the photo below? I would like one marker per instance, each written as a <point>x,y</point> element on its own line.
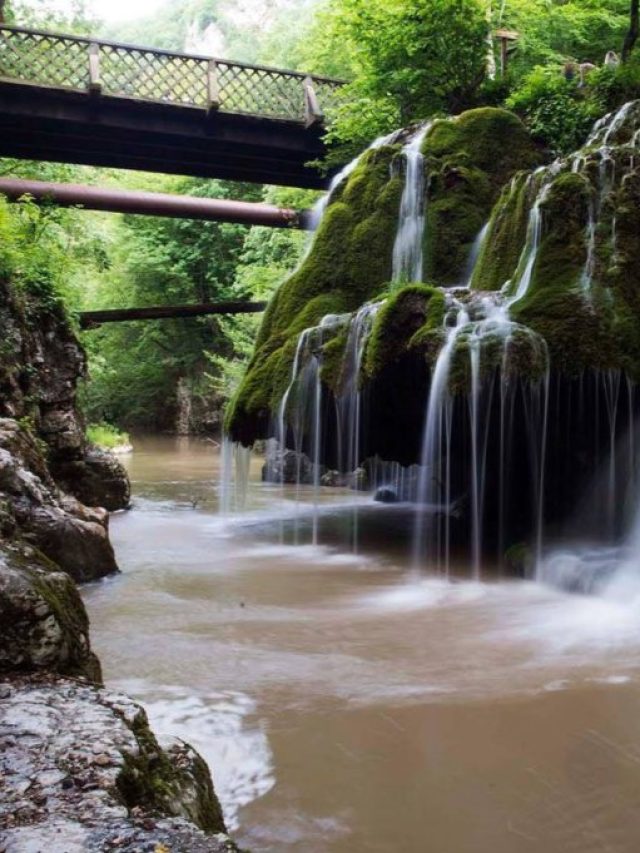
<point>469,312</point>
<point>81,769</point>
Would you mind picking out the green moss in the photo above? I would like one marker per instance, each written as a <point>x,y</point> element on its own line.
<point>332,359</point>
<point>578,335</point>
<point>348,264</point>
<point>506,236</point>
<point>405,314</point>
<point>468,160</point>
<point>154,782</point>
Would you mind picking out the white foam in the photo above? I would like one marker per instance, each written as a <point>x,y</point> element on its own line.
<point>237,752</point>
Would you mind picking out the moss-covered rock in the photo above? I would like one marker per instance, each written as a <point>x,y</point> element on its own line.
<point>500,254</point>
<point>581,308</point>
<point>468,161</point>
<point>43,622</point>
<point>406,320</point>
<point>349,262</point>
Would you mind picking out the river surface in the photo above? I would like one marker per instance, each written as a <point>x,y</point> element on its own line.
<point>346,705</point>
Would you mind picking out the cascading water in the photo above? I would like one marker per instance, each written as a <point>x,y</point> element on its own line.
<point>407,249</point>
<point>490,388</point>
<point>471,322</point>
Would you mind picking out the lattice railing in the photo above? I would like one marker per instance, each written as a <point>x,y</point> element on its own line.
<point>126,71</point>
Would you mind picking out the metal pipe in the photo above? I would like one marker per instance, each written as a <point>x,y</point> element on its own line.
<point>91,319</point>
<point>154,204</point>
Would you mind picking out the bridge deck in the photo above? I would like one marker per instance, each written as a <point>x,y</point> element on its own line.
<point>77,100</point>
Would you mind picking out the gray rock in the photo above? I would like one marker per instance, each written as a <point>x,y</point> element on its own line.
<point>386,495</point>
<point>97,480</point>
<point>43,622</point>
<point>287,466</point>
<point>67,532</point>
<point>55,798</point>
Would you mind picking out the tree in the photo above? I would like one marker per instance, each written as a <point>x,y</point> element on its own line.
<point>634,29</point>
<point>409,59</point>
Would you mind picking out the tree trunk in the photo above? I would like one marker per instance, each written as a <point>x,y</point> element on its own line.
<point>2,5</point>
<point>634,28</point>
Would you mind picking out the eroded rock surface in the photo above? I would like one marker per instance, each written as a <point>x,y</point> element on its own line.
<point>44,625</point>
<point>83,773</point>
<point>33,507</point>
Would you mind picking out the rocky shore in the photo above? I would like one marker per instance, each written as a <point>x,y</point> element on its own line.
<point>80,769</point>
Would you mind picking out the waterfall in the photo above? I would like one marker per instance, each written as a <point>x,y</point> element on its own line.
<point>317,211</point>
<point>407,250</point>
<point>349,403</point>
<point>472,322</point>
<point>493,412</point>
<point>234,476</point>
<point>437,428</point>
<point>529,255</point>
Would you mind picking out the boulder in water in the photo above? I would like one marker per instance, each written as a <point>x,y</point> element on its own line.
<point>287,466</point>
<point>386,495</point>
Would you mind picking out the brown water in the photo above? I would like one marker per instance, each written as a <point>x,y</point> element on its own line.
<point>346,705</point>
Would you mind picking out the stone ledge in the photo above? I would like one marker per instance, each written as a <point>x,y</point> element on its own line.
<point>68,754</point>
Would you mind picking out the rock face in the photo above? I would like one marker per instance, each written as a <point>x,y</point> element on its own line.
<point>39,373</point>
<point>83,772</point>
<point>55,488</point>
<point>80,770</point>
<point>96,479</point>
<point>44,623</point>
<point>35,510</point>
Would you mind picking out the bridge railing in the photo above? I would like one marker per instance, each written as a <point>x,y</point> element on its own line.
<point>148,74</point>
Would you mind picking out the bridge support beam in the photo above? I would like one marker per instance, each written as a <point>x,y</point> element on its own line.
<point>154,204</point>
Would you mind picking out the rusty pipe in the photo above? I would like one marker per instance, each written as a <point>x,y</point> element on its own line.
<point>154,204</point>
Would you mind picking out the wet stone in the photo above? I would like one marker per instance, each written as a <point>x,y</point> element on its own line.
<point>61,764</point>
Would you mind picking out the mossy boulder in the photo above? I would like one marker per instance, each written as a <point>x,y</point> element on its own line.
<point>507,231</point>
<point>409,320</point>
<point>468,161</point>
<point>587,309</point>
<point>349,262</point>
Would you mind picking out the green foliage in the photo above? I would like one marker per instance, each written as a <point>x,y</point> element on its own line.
<point>41,248</point>
<point>559,112</point>
<point>135,367</point>
<point>106,436</point>
<point>554,31</point>
<point>408,59</point>
<point>73,17</point>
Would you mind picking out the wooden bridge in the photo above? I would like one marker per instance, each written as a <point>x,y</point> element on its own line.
<point>79,100</point>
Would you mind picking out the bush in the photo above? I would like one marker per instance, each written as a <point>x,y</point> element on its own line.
<point>106,436</point>
<point>615,86</point>
<point>558,112</point>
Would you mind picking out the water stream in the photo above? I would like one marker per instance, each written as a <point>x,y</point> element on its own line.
<point>346,705</point>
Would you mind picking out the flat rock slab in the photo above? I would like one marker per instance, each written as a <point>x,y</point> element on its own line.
<point>64,745</point>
